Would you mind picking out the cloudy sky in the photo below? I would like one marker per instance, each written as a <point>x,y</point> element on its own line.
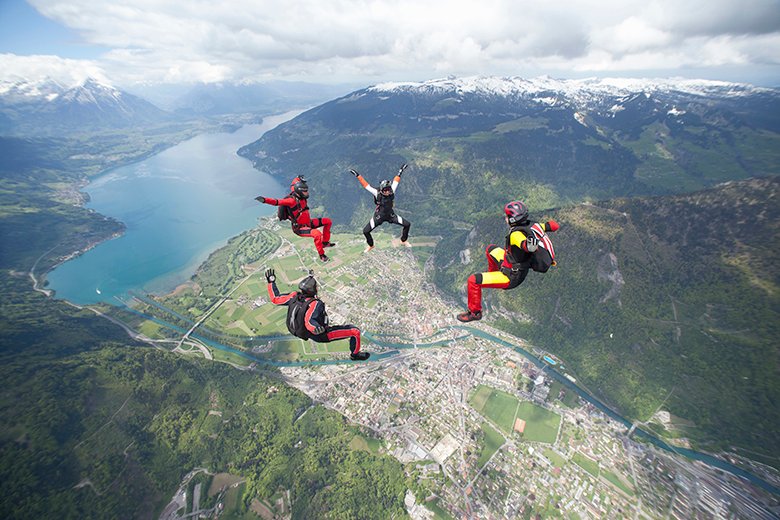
<point>368,41</point>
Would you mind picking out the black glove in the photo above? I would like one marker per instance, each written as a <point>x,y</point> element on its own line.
<point>531,243</point>
<point>260,198</point>
<point>270,276</point>
<point>319,330</point>
<point>353,172</point>
<point>402,168</point>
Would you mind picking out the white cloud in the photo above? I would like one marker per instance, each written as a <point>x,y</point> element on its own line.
<point>373,40</point>
<point>68,72</point>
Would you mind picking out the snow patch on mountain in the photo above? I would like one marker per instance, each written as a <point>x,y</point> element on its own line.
<point>546,90</point>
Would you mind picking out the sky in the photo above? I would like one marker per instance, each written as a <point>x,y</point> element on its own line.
<point>132,42</point>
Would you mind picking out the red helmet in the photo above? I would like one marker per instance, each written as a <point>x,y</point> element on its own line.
<point>516,212</point>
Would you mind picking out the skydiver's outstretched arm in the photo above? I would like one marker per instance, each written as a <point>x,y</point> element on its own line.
<point>397,178</point>
<point>288,201</point>
<point>364,183</point>
<point>551,226</point>
<point>276,297</point>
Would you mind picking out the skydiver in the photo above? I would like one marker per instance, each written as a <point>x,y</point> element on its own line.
<point>384,197</point>
<point>527,246</point>
<point>302,223</point>
<point>307,319</point>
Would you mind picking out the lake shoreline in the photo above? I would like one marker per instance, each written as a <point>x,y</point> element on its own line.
<point>174,209</point>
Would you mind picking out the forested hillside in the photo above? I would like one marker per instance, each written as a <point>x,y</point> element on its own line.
<point>667,302</point>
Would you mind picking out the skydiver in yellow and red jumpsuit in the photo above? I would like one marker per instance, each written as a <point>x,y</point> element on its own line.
<point>526,246</point>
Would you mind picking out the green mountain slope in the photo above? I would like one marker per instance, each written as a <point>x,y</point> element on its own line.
<point>658,303</point>
<point>98,427</point>
<point>468,149</point>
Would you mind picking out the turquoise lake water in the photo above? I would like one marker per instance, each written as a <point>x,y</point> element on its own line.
<point>178,206</point>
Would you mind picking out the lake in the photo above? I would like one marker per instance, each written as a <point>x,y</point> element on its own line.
<point>178,206</point>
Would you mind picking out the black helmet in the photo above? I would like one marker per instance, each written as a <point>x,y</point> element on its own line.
<point>385,184</point>
<point>301,189</point>
<point>516,212</point>
<point>308,286</point>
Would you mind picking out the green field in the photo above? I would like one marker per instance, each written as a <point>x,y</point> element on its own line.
<point>369,444</point>
<point>541,425</point>
<point>618,482</point>
<point>496,405</point>
<point>438,512</point>
<point>556,459</point>
<point>586,463</point>
<point>493,441</point>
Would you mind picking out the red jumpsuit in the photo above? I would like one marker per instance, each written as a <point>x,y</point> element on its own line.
<point>302,223</point>
<point>316,317</point>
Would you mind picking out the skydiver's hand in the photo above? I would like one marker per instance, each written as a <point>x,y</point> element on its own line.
<point>353,172</point>
<point>401,169</point>
<point>319,330</point>
<point>270,276</point>
<point>552,225</point>
<point>260,198</point>
<point>531,243</point>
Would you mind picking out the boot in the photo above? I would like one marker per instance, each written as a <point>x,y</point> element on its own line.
<point>368,248</point>
<point>359,356</point>
<point>328,244</point>
<point>324,257</point>
<point>469,316</point>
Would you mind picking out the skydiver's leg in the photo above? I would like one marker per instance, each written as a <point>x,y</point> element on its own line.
<point>372,224</point>
<point>406,225</point>
<point>315,234</point>
<point>325,223</point>
<point>341,332</point>
<point>495,255</point>
<point>489,280</point>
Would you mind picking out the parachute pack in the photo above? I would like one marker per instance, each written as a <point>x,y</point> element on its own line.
<point>284,212</point>
<point>296,312</point>
<point>544,257</point>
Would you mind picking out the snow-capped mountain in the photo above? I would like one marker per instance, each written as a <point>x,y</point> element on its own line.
<point>49,108</point>
<point>595,138</point>
<point>580,91</point>
<point>604,97</point>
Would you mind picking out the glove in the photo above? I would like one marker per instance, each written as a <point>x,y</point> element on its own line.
<point>402,168</point>
<point>260,198</point>
<point>551,225</point>
<point>270,276</point>
<point>319,330</point>
<point>353,172</point>
<point>531,243</point>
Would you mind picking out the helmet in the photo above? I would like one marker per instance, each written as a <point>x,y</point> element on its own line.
<point>301,189</point>
<point>308,286</point>
<point>516,212</point>
<point>385,184</point>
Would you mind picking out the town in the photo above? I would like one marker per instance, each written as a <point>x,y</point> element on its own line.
<point>480,419</point>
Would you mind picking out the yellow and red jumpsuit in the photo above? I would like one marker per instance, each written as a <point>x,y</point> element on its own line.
<point>316,317</point>
<point>508,270</point>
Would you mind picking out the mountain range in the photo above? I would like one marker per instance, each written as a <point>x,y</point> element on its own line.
<point>49,108</point>
<point>475,140</point>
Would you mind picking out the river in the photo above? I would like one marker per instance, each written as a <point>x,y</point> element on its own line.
<point>178,206</point>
